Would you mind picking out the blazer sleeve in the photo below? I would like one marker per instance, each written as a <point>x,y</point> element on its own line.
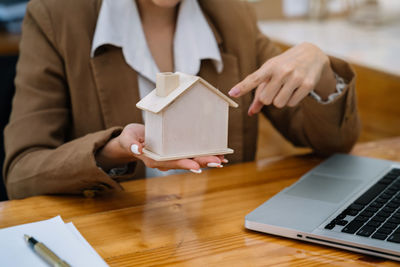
<point>326,128</point>
<point>39,157</point>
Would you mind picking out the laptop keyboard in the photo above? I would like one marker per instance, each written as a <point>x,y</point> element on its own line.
<point>376,213</point>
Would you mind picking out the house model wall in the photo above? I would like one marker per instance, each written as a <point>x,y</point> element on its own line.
<point>185,117</point>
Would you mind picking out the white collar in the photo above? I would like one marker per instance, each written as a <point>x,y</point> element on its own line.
<point>119,24</point>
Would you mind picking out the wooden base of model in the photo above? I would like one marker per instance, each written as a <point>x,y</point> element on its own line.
<point>158,157</point>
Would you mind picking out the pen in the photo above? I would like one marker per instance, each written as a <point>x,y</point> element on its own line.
<point>44,252</point>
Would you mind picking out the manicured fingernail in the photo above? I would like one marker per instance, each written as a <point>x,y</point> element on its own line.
<point>195,171</point>
<point>250,111</point>
<point>225,161</point>
<point>214,165</point>
<point>135,149</point>
<point>234,91</point>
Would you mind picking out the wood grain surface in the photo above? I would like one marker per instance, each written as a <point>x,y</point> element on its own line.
<point>195,220</point>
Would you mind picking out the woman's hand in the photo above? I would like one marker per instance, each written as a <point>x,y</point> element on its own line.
<point>287,79</point>
<point>128,146</point>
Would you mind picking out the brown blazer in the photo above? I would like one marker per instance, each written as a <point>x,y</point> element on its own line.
<point>67,105</point>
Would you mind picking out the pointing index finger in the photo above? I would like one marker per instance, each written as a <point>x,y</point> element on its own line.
<point>249,83</point>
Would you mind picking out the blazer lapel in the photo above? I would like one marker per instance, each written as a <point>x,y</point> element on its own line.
<point>117,87</point>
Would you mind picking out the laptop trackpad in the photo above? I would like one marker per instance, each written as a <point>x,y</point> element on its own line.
<point>323,188</point>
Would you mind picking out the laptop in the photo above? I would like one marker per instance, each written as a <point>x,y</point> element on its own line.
<point>347,202</point>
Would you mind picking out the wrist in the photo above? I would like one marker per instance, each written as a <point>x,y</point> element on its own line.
<point>112,155</point>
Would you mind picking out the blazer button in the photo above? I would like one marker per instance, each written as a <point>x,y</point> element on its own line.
<point>88,193</point>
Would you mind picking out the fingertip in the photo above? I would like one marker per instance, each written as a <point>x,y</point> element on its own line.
<point>234,92</point>
<point>278,104</point>
<point>216,159</point>
<point>255,108</point>
<point>214,165</point>
<point>250,111</point>
<point>203,161</point>
<point>196,171</point>
<point>195,166</point>
<point>188,164</point>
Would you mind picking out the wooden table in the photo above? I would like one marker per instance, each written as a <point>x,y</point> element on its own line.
<point>195,220</point>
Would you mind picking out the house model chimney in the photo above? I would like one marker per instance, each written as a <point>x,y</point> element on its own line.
<point>166,82</point>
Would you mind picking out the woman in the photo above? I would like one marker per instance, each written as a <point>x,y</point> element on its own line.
<point>85,63</point>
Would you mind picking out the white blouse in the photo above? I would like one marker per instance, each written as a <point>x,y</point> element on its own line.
<point>119,24</point>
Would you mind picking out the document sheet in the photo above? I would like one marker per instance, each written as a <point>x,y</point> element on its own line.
<point>63,239</point>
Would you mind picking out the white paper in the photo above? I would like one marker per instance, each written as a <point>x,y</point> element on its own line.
<point>63,239</point>
<point>80,238</point>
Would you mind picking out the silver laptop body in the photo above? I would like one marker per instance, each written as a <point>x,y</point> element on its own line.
<point>321,207</point>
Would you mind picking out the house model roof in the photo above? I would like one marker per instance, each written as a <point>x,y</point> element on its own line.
<point>154,103</point>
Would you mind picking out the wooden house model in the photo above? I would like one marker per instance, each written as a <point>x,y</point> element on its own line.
<point>185,117</point>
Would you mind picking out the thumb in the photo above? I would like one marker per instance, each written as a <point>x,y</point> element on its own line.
<point>136,148</point>
<point>135,131</point>
<point>132,138</point>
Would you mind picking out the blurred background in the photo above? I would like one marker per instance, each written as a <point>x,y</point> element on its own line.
<point>366,33</point>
